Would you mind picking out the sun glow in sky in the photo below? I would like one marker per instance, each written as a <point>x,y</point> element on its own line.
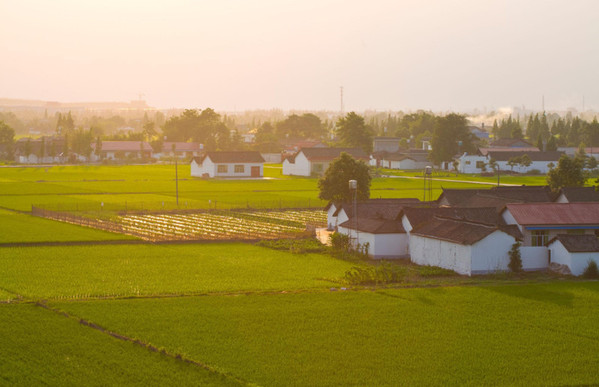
<point>240,54</point>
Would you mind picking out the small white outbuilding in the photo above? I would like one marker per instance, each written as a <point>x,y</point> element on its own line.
<point>574,251</point>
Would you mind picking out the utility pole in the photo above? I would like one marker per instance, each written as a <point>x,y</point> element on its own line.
<point>341,95</point>
<point>353,187</point>
<point>177,180</point>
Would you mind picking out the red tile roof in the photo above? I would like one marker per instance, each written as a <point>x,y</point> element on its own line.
<point>555,213</point>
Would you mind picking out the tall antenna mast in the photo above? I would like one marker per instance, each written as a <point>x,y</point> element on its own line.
<point>543,102</point>
<point>341,94</point>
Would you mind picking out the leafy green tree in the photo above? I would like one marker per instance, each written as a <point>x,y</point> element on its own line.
<point>451,136</point>
<point>513,161</point>
<point>525,161</point>
<point>354,133</point>
<point>551,144</point>
<point>7,141</point>
<point>306,126</point>
<point>568,173</point>
<point>334,185</point>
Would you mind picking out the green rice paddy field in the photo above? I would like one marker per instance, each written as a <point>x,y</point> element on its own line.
<point>153,186</point>
<point>238,314</point>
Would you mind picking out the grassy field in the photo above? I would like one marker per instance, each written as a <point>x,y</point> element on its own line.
<point>18,228</point>
<point>257,315</point>
<point>142,270</point>
<point>502,335</point>
<point>42,348</point>
<point>153,187</point>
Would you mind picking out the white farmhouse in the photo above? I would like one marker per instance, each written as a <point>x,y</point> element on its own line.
<point>464,247</point>
<point>540,161</point>
<point>228,164</point>
<point>315,161</point>
<point>574,251</point>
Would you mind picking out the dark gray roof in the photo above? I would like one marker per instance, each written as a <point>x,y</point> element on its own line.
<point>483,215</point>
<point>497,196</point>
<point>464,233</point>
<point>231,157</point>
<point>377,208</point>
<point>534,156</point>
<point>510,142</point>
<point>578,243</point>
<point>375,226</point>
<point>580,194</point>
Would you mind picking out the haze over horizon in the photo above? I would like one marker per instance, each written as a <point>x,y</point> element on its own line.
<point>237,55</point>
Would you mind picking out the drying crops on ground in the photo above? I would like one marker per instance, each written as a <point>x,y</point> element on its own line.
<point>215,226</point>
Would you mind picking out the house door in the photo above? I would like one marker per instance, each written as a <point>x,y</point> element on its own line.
<point>255,171</point>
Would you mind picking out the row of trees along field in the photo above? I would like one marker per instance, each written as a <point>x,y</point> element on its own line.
<point>549,132</point>
<point>449,134</point>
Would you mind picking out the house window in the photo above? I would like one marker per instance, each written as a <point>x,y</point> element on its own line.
<point>317,168</point>
<point>467,163</point>
<point>539,237</point>
<point>222,169</point>
<point>480,164</point>
<point>576,232</point>
<point>239,168</point>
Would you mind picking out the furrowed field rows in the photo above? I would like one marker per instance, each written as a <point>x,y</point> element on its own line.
<point>203,226</point>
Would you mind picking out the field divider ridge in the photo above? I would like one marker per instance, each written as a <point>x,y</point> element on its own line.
<point>146,345</point>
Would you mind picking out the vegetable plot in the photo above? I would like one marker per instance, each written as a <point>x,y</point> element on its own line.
<point>161,227</point>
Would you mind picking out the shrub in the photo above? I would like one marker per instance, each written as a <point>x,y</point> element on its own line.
<point>295,246</point>
<point>515,264</point>
<point>374,275</point>
<point>340,242</point>
<point>591,270</point>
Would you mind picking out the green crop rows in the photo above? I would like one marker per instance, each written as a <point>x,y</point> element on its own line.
<point>238,314</point>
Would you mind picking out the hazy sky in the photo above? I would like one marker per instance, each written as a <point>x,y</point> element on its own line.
<point>227,54</point>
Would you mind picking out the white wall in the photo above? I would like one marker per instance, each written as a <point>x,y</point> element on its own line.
<point>467,163</point>
<point>435,252</point>
<point>331,220</point>
<point>271,157</point>
<point>534,257</point>
<point>490,254</point>
<point>207,166</point>
<point>390,245</point>
<point>381,246</point>
<point>559,254</point>
<point>577,262</point>
<point>301,166</point>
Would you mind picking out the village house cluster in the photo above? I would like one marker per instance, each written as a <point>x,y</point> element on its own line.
<point>471,231</point>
